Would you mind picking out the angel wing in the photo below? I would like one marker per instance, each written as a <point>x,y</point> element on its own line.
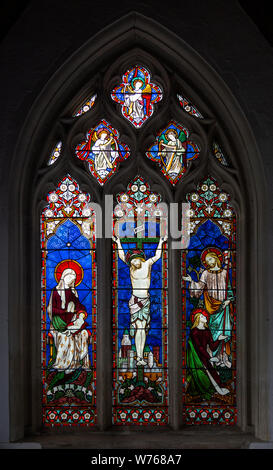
<point>182,136</point>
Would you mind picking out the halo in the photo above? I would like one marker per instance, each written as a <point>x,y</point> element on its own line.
<point>171,129</point>
<point>211,249</point>
<point>103,129</point>
<point>69,264</point>
<point>138,79</point>
<point>199,310</point>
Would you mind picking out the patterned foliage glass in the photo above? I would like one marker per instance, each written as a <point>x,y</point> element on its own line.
<point>103,151</point>
<point>219,154</point>
<point>140,374</point>
<point>209,314</point>
<point>137,95</point>
<point>85,107</point>
<point>68,307</point>
<point>189,107</point>
<point>172,151</point>
<point>56,152</point>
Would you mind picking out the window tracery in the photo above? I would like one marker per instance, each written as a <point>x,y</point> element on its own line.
<point>189,107</point>
<point>140,367</point>
<point>56,152</point>
<point>86,106</point>
<point>137,95</point>
<point>173,150</point>
<point>102,150</point>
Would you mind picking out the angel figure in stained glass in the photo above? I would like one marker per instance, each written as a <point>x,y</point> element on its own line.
<point>215,286</point>
<point>105,150</point>
<point>102,151</point>
<point>139,303</point>
<point>136,95</point>
<point>172,150</point>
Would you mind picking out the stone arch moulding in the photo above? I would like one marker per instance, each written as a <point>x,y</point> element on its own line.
<point>32,181</point>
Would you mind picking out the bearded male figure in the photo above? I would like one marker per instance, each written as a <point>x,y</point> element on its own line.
<point>139,303</point>
<point>215,286</point>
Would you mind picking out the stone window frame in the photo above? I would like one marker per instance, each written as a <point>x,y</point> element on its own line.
<point>33,180</point>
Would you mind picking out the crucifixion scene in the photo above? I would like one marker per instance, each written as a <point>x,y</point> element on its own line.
<point>139,303</point>
<point>140,328</point>
<point>140,312</point>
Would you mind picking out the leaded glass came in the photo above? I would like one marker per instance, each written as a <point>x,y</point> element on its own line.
<point>102,151</point>
<point>172,151</point>
<point>68,307</point>
<point>137,95</point>
<point>146,150</point>
<point>209,314</point>
<point>140,319</point>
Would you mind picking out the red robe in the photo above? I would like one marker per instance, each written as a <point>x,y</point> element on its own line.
<point>57,309</point>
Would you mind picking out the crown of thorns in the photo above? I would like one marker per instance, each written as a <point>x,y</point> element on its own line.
<point>131,254</point>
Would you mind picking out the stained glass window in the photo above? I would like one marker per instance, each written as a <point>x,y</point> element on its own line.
<point>172,151</point>
<point>189,107</point>
<point>68,307</point>
<point>139,263</point>
<point>137,95</point>
<point>209,314</point>
<point>56,152</point>
<point>86,106</point>
<point>103,151</point>
<point>219,154</point>
<point>140,373</point>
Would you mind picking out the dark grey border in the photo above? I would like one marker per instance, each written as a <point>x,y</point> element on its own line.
<point>245,183</point>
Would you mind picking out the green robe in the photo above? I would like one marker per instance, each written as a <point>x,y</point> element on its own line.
<point>199,383</point>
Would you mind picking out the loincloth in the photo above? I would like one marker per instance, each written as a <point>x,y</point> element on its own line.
<point>139,310</point>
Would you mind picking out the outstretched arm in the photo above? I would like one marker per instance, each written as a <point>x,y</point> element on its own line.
<point>158,252</point>
<point>196,287</point>
<point>120,249</point>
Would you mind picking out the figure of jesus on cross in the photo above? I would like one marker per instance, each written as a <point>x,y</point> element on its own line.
<point>139,303</point>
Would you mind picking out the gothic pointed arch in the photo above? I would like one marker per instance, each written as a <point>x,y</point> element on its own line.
<point>228,153</point>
